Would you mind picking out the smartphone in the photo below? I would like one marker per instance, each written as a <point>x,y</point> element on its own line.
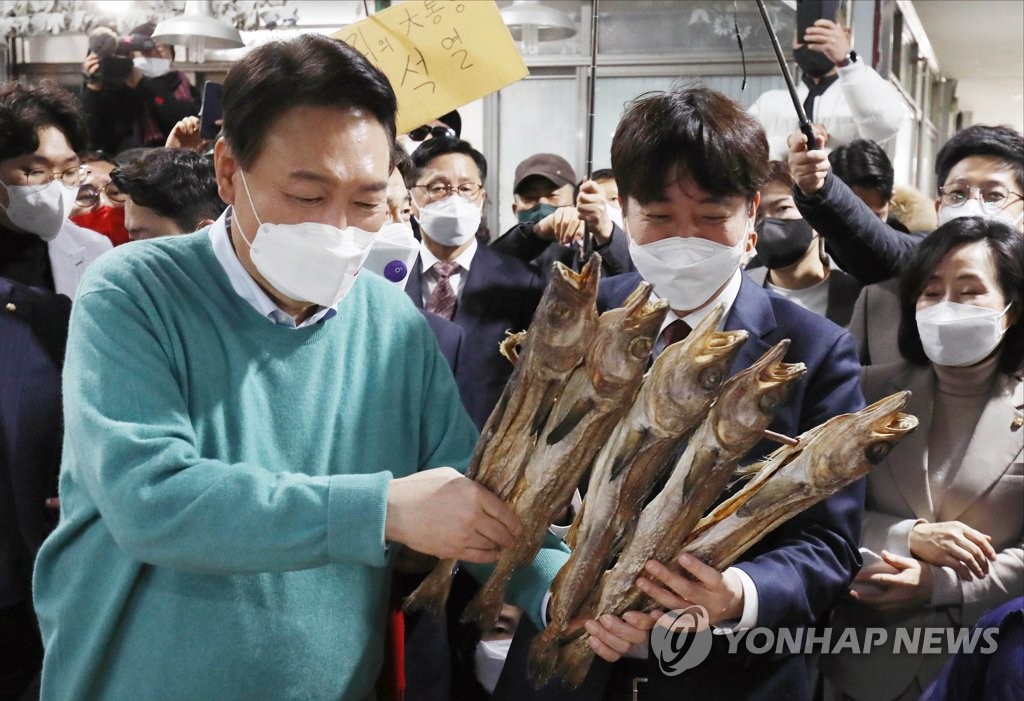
<point>211,111</point>
<point>115,69</point>
<point>810,11</point>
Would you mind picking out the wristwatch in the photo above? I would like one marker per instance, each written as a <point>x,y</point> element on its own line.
<point>850,58</point>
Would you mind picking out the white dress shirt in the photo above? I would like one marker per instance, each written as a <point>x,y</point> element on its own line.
<point>457,279</point>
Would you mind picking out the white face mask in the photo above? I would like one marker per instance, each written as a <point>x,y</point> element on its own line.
<point>393,252</point>
<point>308,262</point>
<point>686,271</point>
<point>152,67</point>
<point>958,335</point>
<point>452,221</point>
<point>40,212</point>
<point>974,208</point>
<point>488,661</point>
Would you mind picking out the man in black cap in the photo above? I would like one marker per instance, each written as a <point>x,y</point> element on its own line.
<point>550,228</point>
<point>449,124</point>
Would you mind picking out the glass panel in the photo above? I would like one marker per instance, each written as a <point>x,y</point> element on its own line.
<point>682,28</point>
<point>537,115</point>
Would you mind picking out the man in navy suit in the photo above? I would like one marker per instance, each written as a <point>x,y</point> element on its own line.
<point>33,331</point>
<point>458,277</point>
<point>689,164</point>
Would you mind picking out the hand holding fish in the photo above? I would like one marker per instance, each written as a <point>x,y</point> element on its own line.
<point>719,593</point>
<point>612,637</point>
<point>910,587</point>
<point>953,544</point>
<point>440,512</point>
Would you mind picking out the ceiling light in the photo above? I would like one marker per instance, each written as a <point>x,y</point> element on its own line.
<point>198,29</point>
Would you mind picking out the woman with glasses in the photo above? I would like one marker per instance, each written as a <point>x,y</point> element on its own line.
<point>41,132</point>
<point>943,527</point>
<point>99,204</point>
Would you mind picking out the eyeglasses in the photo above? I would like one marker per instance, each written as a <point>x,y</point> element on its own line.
<point>420,133</point>
<point>996,197</point>
<point>89,195</point>
<point>39,179</point>
<point>439,191</point>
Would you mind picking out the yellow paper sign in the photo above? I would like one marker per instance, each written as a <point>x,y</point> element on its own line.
<point>438,54</point>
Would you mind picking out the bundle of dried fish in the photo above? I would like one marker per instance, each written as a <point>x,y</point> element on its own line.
<point>597,395</point>
<point>794,478</point>
<point>677,392</point>
<point>562,329</point>
<point>746,405</point>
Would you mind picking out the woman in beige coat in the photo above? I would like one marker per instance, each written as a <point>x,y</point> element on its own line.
<point>944,523</point>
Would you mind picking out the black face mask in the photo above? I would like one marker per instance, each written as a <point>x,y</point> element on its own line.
<point>782,242</point>
<point>813,63</point>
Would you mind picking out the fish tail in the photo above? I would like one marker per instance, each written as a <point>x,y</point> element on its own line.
<point>432,593</point>
<point>543,657</point>
<point>485,607</point>
<point>574,662</point>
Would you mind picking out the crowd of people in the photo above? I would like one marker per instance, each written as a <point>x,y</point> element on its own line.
<point>230,444</point>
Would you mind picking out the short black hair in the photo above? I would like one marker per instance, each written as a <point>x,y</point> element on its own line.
<point>778,171</point>
<point>175,183</point>
<point>309,70</point>
<point>689,131</point>
<point>1002,142</point>
<point>1006,246</point>
<point>863,163</point>
<point>441,146</point>
<point>26,108</point>
<point>602,174</point>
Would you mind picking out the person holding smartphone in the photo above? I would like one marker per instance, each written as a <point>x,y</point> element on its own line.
<point>843,96</point>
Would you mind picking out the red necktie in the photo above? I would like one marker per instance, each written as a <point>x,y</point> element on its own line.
<point>442,299</point>
<point>675,331</point>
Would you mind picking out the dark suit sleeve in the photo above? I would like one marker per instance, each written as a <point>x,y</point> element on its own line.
<point>861,243</point>
<point>615,258</point>
<point>520,242</point>
<point>802,568</point>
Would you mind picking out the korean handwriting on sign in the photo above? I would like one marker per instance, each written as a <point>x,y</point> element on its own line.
<point>410,21</point>
<point>451,41</point>
<point>422,63</point>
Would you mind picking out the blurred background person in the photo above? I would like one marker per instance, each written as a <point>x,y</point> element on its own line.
<point>791,255</point>
<point>99,205</point>
<point>168,192</point>
<point>841,94</point>
<point>41,134</point>
<point>139,109</point>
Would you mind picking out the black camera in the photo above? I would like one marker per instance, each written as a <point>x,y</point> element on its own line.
<point>115,53</point>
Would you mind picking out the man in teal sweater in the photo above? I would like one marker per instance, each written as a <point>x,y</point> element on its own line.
<point>252,427</point>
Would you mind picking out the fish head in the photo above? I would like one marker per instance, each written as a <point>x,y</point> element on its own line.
<point>566,317</point>
<point>699,364</point>
<point>856,442</point>
<point>624,340</point>
<point>750,399</point>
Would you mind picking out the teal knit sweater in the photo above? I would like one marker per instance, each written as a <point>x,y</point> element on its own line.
<point>223,489</point>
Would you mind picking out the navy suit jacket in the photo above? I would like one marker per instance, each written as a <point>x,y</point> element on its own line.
<point>33,332</point>
<point>449,337</point>
<point>500,294</point>
<point>806,564</point>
